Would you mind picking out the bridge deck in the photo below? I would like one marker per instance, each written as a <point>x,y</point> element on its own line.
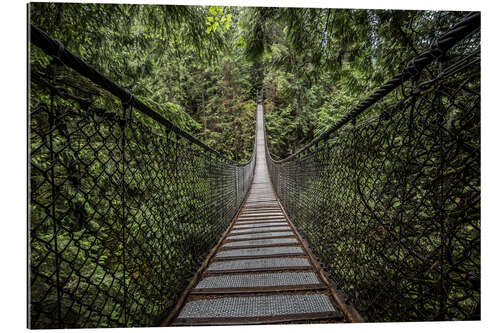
<point>261,272</point>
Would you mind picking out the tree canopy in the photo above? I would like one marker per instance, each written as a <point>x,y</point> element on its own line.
<point>202,66</point>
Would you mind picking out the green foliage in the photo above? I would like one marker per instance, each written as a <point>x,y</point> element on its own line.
<point>164,56</point>
<point>217,18</point>
<point>320,63</point>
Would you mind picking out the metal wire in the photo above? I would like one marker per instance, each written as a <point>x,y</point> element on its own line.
<point>123,208</point>
<point>390,203</point>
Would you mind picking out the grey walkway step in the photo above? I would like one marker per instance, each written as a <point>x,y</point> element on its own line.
<point>262,210</point>
<point>260,235</point>
<point>258,307</point>
<point>260,200</point>
<point>240,223</point>
<point>259,280</point>
<point>261,242</point>
<point>267,205</point>
<point>264,251</point>
<point>261,219</point>
<point>277,228</point>
<point>262,215</point>
<point>274,208</point>
<point>259,264</point>
<point>259,225</point>
<point>262,206</point>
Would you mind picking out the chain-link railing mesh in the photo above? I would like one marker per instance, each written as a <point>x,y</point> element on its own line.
<point>122,209</point>
<point>391,205</point>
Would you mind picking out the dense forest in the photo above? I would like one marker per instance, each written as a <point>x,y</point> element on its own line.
<point>203,66</point>
<point>123,210</point>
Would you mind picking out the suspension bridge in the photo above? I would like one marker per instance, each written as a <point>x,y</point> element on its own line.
<point>261,271</point>
<point>134,222</point>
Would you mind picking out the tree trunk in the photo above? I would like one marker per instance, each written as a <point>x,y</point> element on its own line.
<point>204,118</point>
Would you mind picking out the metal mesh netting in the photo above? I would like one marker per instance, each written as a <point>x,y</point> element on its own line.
<point>391,204</point>
<point>122,209</point>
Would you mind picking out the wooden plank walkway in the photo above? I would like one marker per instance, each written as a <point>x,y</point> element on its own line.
<point>261,271</point>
